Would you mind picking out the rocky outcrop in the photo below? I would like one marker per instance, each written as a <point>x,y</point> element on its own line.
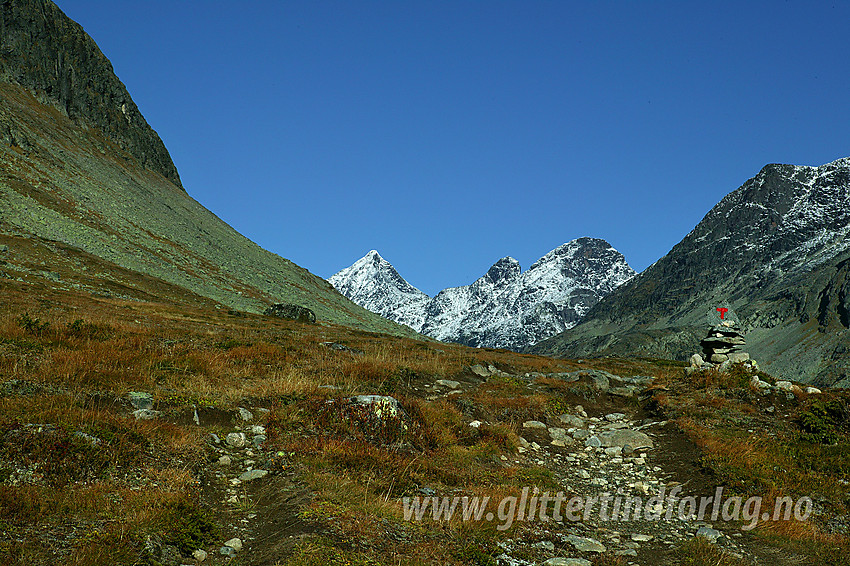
<point>776,250</point>
<point>44,50</point>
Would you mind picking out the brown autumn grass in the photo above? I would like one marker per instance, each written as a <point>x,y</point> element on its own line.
<point>128,489</point>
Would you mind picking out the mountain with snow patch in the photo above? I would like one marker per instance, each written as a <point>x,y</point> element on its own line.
<point>776,251</point>
<point>506,307</point>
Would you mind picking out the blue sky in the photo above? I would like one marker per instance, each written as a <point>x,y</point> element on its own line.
<point>450,134</point>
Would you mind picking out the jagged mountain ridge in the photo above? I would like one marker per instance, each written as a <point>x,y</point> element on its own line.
<point>776,251</point>
<point>79,166</point>
<point>506,307</point>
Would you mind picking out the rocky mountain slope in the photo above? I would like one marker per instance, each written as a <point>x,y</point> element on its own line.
<point>776,251</point>
<point>505,308</point>
<point>80,166</point>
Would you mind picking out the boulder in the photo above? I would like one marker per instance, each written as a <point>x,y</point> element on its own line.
<point>290,311</point>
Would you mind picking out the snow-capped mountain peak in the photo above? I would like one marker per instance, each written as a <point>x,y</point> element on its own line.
<point>504,308</point>
<point>373,283</point>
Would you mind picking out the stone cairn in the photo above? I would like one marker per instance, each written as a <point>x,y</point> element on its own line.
<point>722,347</point>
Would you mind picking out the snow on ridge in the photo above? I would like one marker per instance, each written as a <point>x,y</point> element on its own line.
<point>505,307</point>
<point>791,217</point>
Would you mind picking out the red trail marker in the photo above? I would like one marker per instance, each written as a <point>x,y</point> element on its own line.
<point>722,312</point>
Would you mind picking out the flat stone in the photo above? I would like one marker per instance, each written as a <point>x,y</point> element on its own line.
<point>572,421</point>
<point>627,391</point>
<point>228,551</point>
<point>637,537</point>
<point>718,358</point>
<point>224,461</point>
<point>235,544</point>
<point>696,361</point>
<point>558,561</point>
<point>758,383</point>
<point>813,391</point>
<point>253,475</point>
<point>259,439</point>
<point>146,414</point>
<point>593,441</point>
<point>140,400</point>
<point>533,425</point>
<point>738,357</point>
<point>581,434</point>
<point>620,438</point>
<point>448,383</point>
<point>480,371</point>
<point>475,424</point>
<point>258,429</point>
<point>583,544</point>
<point>245,414</point>
<point>615,417</point>
<point>200,555</point>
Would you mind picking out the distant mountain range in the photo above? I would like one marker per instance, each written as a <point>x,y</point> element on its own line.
<point>506,307</point>
<point>776,251</point>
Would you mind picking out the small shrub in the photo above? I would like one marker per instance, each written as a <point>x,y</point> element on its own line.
<point>89,330</point>
<point>188,527</point>
<point>32,325</point>
<point>821,422</point>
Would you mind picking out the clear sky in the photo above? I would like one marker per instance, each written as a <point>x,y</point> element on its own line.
<point>450,134</point>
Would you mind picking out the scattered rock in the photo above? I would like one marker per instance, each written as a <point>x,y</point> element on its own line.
<point>641,538</point>
<point>614,417</point>
<point>140,400</point>
<point>813,391</point>
<point>235,439</point>
<point>340,348</point>
<point>245,414</point>
<point>146,414</point>
<point>228,551</point>
<point>200,555</point>
<point>533,425</point>
<point>253,475</point>
<point>571,421</point>
<point>559,437</point>
<point>711,535</point>
<point>448,383</point>
<point>558,561</point>
<point>480,370</point>
<point>235,544</point>
<point>224,461</point>
<point>622,437</point>
<point>583,544</point>
<point>291,312</point>
<point>475,424</point>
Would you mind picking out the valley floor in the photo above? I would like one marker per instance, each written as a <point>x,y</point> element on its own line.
<point>250,428</point>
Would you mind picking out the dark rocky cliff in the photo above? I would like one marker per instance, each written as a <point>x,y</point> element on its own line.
<point>44,50</point>
<point>775,251</point>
